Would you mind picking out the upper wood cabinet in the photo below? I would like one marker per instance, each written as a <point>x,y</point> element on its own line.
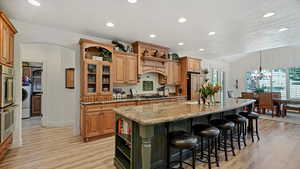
<point>7,32</point>
<point>96,76</point>
<point>125,68</point>
<point>173,73</point>
<point>194,65</point>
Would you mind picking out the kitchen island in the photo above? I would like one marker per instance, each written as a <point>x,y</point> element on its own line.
<point>141,130</point>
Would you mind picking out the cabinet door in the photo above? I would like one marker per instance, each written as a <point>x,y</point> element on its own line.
<point>91,78</point>
<point>108,121</point>
<point>176,73</point>
<point>93,124</point>
<point>170,73</point>
<point>11,49</point>
<point>119,69</point>
<point>5,44</point>
<point>131,71</point>
<point>36,105</point>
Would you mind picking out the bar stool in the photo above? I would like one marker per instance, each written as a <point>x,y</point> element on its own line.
<point>210,134</point>
<point>181,140</point>
<point>240,125</point>
<point>224,126</point>
<point>251,116</point>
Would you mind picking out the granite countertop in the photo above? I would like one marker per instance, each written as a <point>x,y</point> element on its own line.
<point>131,99</point>
<point>152,114</point>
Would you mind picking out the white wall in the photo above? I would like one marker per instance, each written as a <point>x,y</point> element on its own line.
<point>273,58</point>
<point>51,43</point>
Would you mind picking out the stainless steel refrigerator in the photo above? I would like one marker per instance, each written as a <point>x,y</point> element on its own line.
<point>194,81</point>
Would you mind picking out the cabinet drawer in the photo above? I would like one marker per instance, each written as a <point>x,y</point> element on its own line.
<point>126,104</point>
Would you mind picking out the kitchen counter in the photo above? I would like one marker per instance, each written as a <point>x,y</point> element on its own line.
<point>141,131</point>
<point>133,99</point>
<point>173,111</point>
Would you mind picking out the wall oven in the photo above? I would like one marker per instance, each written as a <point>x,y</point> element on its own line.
<point>6,78</point>
<point>7,124</point>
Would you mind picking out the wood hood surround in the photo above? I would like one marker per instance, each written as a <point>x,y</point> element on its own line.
<point>151,58</point>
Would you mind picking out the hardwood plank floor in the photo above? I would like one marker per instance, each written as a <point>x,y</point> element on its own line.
<point>56,148</point>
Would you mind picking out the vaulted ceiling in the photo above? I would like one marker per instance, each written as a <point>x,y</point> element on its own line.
<point>239,24</point>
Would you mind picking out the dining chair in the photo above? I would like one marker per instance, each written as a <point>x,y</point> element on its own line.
<point>251,95</point>
<point>266,102</point>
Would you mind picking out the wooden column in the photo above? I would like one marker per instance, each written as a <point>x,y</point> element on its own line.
<point>146,134</point>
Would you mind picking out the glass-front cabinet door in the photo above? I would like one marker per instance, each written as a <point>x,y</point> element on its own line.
<point>91,77</point>
<point>105,77</point>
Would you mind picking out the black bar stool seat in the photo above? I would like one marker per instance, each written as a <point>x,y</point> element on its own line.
<point>210,134</point>
<point>222,124</point>
<point>182,140</point>
<point>236,118</point>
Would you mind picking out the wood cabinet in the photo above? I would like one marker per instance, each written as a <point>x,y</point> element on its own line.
<point>125,68</point>
<point>36,105</point>
<point>96,76</point>
<point>4,146</point>
<point>98,120</point>
<point>194,65</point>
<point>7,32</point>
<point>173,73</point>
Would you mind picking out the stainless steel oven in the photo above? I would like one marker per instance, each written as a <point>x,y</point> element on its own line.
<point>7,124</point>
<point>6,92</point>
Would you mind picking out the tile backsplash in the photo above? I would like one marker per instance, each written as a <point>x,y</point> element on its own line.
<point>139,87</point>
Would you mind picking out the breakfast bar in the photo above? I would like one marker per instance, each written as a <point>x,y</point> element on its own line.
<point>141,131</point>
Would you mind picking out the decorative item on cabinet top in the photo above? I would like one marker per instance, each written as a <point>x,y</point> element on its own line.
<point>70,78</point>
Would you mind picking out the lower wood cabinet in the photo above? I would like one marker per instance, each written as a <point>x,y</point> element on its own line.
<point>4,146</point>
<point>36,105</point>
<point>98,120</point>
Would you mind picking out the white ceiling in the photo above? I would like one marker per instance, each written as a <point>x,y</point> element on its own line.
<point>238,24</point>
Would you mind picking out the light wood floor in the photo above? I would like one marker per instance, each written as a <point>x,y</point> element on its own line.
<point>56,148</point>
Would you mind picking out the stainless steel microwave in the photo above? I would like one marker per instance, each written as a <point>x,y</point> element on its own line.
<point>7,88</point>
<point>7,122</point>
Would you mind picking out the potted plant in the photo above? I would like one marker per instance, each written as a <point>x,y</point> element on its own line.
<point>208,90</point>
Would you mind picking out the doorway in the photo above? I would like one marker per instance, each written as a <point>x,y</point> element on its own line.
<point>32,91</point>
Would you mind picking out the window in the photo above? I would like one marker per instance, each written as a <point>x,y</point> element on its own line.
<point>279,82</point>
<point>285,81</point>
<point>294,82</point>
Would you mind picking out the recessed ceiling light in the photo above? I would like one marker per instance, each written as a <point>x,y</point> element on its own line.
<point>34,2</point>
<point>132,1</point>
<point>211,33</point>
<point>109,24</point>
<point>152,36</point>
<point>283,29</point>
<point>201,50</point>
<point>269,14</point>
<point>181,20</point>
<point>180,43</point>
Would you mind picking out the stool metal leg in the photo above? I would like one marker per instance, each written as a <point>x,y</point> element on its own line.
<point>180,163</point>
<point>216,152</point>
<point>244,133</point>
<point>225,143</point>
<point>194,158</point>
<point>231,140</point>
<point>201,149</point>
<point>256,121</point>
<point>239,135</point>
<point>209,153</point>
<point>252,130</point>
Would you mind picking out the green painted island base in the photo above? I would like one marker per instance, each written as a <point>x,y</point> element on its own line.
<point>146,146</point>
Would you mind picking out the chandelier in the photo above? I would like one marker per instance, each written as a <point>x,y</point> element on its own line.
<point>260,74</point>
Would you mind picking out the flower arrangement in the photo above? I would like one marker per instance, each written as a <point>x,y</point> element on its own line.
<point>208,90</point>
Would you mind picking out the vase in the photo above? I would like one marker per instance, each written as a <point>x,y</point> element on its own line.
<point>204,100</point>
<point>212,100</point>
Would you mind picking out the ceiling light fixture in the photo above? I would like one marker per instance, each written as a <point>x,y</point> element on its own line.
<point>283,29</point>
<point>34,2</point>
<point>201,50</point>
<point>152,36</point>
<point>269,14</point>
<point>211,33</point>
<point>182,20</point>
<point>132,1</point>
<point>109,24</point>
<point>180,43</point>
